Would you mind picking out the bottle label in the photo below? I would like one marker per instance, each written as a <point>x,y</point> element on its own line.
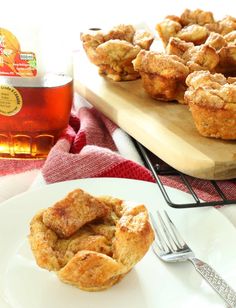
<point>13,61</point>
<point>10,100</point>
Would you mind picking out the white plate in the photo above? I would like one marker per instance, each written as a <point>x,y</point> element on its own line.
<point>150,284</point>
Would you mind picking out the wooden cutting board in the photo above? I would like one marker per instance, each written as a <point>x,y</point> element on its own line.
<point>166,129</point>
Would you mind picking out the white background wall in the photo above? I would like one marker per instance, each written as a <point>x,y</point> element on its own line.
<point>69,17</point>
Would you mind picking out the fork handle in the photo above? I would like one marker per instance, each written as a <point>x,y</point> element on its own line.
<point>217,283</point>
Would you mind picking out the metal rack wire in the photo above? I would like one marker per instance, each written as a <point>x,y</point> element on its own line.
<point>163,173</point>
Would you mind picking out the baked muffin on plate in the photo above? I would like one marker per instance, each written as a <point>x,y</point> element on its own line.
<point>90,242</point>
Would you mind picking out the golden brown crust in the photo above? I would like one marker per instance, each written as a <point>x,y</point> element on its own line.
<point>75,210</point>
<point>163,76</point>
<point>212,101</point>
<point>133,236</point>
<point>91,271</point>
<point>90,258</point>
<point>42,241</point>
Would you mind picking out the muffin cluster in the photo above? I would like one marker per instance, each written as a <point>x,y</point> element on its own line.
<point>196,47</point>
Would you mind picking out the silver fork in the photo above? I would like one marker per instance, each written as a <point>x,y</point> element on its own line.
<point>170,247</point>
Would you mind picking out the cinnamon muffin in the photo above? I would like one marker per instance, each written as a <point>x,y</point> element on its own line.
<point>113,51</point>
<point>212,102</point>
<point>90,242</point>
<point>163,76</point>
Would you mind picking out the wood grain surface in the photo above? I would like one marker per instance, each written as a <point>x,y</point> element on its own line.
<point>166,129</point>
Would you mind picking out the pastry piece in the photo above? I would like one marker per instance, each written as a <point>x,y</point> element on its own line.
<point>113,51</point>
<point>101,251</point>
<point>143,38</point>
<point>167,29</point>
<point>163,76</point>
<point>227,25</point>
<point>91,40</point>
<point>197,16</point>
<point>133,235</point>
<point>216,41</point>
<point>227,60</point>
<point>230,37</point>
<point>75,210</point>
<point>42,242</point>
<point>225,47</point>
<point>212,102</point>
<point>91,271</point>
<point>231,79</point>
<point>120,32</point>
<point>202,57</point>
<point>115,60</point>
<point>178,47</point>
<point>193,33</point>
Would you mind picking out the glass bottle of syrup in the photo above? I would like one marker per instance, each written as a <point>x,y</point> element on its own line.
<point>36,93</point>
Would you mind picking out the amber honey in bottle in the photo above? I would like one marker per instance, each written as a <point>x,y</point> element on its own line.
<point>33,117</point>
<point>34,106</point>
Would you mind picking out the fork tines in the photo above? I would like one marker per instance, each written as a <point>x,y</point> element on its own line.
<point>167,236</point>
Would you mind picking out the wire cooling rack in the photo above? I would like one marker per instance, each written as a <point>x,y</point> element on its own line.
<point>218,193</point>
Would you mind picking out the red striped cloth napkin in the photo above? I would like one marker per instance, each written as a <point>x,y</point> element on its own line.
<point>93,146</point>
<point>88,149</point>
